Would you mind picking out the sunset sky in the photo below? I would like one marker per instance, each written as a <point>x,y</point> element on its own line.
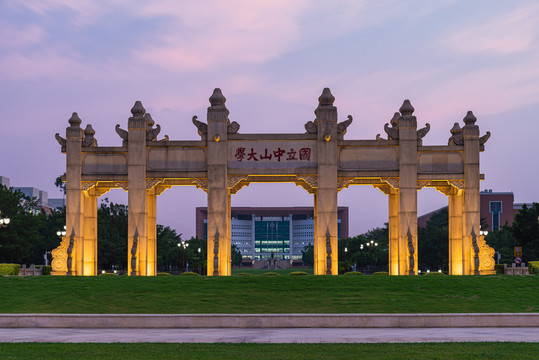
<point>271,59</point>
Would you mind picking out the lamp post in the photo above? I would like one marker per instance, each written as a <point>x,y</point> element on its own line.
<point>4,221</point>
<point>61,233</point>
<point>371,246</point>
<point>199,261</point>
<point>183,245</point>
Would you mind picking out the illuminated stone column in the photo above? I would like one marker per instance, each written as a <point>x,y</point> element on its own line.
<point>218,194</point>
<point>407,125</point>
<point>471,215</point>
<point>393,230</point>
<point>136,177</point>
<point>456,248</point>
<point>89,248</point>
<point>151,234</point>
<point>74,196</point>
<point>326,226</point>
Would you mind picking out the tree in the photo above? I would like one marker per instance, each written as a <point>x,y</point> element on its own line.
<point>112,236</point>
<point>503,241</point>
<point>307,255</point>
<point>196,258</point>
<point>526,231</point>
<point>60,184</point>
<point>169,254</point>
<point>236,256</point>
<point>433,242</point>
<point>19,237</point>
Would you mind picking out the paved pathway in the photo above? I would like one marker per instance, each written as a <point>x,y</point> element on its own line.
<point>270,335</point>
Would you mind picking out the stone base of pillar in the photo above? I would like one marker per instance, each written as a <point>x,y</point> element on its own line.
<point>62,273</point>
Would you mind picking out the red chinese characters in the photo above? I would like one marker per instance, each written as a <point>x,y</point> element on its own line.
<point>279,154</point>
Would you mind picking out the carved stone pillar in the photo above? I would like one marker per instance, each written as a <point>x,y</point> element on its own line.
<point>326,226</point>
<point>393,231</point>
<point>136,177</point>
<point>218,194</point>
<point>471,215</point>
<point>89,248</point>
<point>407,125</point>
<point>456,248</point>
<point>74,196</point>
<point>151,233</point>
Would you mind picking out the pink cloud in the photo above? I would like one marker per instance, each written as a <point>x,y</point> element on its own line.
<point>506,33</point>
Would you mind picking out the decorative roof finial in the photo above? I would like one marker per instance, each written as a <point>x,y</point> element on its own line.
<point>406,108</point>
<point>217,98</point>
<point>149,120</point>
<point>470,118</point>
<point>74,120</point>
<point>89,131</point>
<point>326,98</point>
<point>456,130</point>
<point>89,139</point>
<point>138,109</point>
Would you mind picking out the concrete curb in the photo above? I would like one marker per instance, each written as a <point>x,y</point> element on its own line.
<point>267,320</point>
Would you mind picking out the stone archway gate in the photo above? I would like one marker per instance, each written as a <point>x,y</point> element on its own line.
<point>319,160</point>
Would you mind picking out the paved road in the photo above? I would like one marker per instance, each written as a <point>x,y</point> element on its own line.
<point>270,335</point>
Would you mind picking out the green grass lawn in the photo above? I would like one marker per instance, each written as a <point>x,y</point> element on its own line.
<point>252,271</point>
<point>271,351</point>
<point>276,294</point>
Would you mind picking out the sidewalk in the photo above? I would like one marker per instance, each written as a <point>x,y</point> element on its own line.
<point>287,335</point>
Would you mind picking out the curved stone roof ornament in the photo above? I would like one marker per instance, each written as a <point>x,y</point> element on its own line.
<point>341,127</point>
<point>483,139</point>
<point>202,127</point>
<point>151,132</point>
<point>232,127</point>
<point>121,132</point>
<point>60,139</point>
<point>393,131</point>
<point>422,132</point>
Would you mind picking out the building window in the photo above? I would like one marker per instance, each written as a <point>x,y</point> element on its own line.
<point>495,208</point>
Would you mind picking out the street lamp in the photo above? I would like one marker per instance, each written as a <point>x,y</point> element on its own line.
<point>371,246</point>
<point>4,221</point>
<point>183,245</point>
<point>61,233</point>
<point>483,232</point>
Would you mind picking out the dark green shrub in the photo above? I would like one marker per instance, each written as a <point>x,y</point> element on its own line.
<point>243,274</point>
<point>381,273</point>
<point>499,269</point>
<point>298,273</point>
<point>353,273</point>
<point>163,274</point>
<point>10,269</point>
<point>433,273</point>
<point>270,274</point>
<point>533,267</point>
<point>189,273</point>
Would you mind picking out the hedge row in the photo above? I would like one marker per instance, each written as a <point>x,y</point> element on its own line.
<point>533,267</point>
<point>10,269</point>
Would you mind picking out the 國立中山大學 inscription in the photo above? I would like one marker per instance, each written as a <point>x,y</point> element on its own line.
<point>271,154</point>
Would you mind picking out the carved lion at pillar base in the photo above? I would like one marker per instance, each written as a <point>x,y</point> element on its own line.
<point>59,258</point>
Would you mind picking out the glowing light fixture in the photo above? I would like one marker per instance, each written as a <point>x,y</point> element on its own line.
<point>4,221</point>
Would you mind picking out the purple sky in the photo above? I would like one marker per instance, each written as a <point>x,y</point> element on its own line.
<point>271,59</point>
